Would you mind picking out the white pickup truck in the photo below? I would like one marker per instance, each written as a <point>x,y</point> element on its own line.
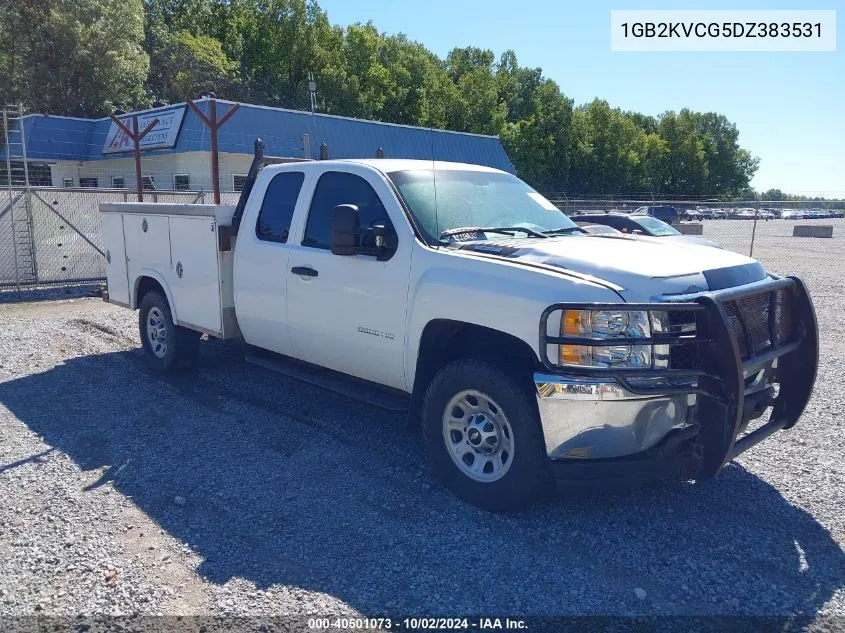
<point>528,350</point>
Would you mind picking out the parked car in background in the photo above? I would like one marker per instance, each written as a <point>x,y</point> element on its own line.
<point>661,212</point>
<point>742,214</point>
<point>791,214</point>
<point>691,215</point>
<point>719,214</point>
<point>706,213</point>
<point>637,224</point>
<point>600,229</point>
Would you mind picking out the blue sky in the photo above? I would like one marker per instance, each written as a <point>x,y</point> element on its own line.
<point>789,107</point>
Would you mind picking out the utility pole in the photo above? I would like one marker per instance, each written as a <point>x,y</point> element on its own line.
<point>312,89</point>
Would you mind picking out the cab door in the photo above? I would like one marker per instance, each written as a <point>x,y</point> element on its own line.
<point>261,261</point>
<point>348,313</point>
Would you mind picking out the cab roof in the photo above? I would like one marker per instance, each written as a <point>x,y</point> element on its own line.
<point>388,165</point>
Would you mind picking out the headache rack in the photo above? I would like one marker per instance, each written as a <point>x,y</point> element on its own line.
<point>718,342</point>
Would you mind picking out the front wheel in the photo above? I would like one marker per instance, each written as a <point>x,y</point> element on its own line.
<point>483,436</point>
<point>166,344</point>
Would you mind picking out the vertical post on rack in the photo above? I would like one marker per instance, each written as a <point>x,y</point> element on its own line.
<point>136,142</point>
<point>213,124</point>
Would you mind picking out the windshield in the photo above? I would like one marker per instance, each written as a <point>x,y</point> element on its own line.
<point>467,198</point>
<point>656,227</point>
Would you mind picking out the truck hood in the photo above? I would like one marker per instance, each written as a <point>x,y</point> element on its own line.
<point>682,240</point>
<point>637,270</point>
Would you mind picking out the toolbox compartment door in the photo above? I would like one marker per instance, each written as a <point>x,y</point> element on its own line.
<point>147,239</point>
<point>118,282</point>
<point>195,274</point>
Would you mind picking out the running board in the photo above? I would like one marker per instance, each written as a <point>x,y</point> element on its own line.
<point>333,381</point>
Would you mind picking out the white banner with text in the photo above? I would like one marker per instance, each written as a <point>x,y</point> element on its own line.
<point>724,30</point>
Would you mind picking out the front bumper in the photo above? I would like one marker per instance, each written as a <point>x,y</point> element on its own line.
<point>601,420</point>
<point>597,418</point>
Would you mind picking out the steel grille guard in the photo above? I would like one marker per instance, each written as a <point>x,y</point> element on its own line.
<point>719,379</point>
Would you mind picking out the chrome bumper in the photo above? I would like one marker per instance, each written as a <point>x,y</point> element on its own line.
<point>593,418</point>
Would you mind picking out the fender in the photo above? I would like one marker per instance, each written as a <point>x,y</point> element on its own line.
<point>153,274</point>
<point>474,290</point>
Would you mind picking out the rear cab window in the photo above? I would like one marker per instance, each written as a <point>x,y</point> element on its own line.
<point>276,213</point>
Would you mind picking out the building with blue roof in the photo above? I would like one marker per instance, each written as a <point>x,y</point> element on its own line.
<point>74,152</point>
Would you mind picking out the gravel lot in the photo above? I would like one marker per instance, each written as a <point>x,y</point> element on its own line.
<point>234,491</point>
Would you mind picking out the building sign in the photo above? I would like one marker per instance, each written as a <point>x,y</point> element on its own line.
<point>162,136</point>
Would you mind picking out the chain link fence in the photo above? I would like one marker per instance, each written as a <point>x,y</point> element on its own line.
<point>52,235</point>
<point>744,226</point>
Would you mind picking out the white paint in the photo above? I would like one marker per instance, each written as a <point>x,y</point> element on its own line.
<point>351,317</point>
<point>118,283</point>
<point>175,234</point>
<point>366,318</point>
<point>260,278</point>
<point>193,242</point>
<point>722,30</point>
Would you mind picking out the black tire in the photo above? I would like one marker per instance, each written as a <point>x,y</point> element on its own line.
<point>526,479</point>
<point>181,345</point>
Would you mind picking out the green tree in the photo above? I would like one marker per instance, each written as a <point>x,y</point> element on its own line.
<point>184,65</point>
<point>74,57</point>
<point>93,54</point>
<point>608,149</point>
<point>518,87</point>
<point>278,46</point>
<point>475,105</point>
<point>539,144</point>
<point>729,168</point>
<point>686,166</point>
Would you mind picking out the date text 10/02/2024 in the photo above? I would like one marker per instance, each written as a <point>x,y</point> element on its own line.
<point>417,624</point>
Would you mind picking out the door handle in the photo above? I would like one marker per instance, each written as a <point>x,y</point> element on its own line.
<point>305,271</point>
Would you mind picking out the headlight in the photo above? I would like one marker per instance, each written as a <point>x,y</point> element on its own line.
<point>605,325</point>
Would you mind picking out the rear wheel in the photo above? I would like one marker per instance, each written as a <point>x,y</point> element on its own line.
<point>483,436</point>
<point>166,344</point>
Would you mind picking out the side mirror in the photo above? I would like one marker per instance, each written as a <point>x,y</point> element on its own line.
<point>379,240</point>
<point>346,227</point>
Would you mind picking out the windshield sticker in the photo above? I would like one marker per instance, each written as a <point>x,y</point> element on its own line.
<point>536,197</point>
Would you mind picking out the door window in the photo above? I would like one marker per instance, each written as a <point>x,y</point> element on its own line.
<point>274,218</point>
<point>335,188</point>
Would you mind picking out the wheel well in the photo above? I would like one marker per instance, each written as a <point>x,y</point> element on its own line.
<point>145,285</point>
<point>444,340</point>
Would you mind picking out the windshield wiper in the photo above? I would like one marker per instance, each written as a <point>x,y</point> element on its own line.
<point>505,230</point>
<point>564,231</point>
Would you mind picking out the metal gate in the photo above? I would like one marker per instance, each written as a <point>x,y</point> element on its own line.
<point>52,235</point>
<point>63,231</point>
